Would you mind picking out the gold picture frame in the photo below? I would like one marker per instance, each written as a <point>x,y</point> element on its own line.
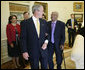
<point>79,17</point>
<point>78,6</point>
<point>45,6</point>
<point>18,10</point>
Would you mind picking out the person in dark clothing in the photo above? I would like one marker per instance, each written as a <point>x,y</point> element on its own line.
<point>71,24</point>
<point>56,30</point>
<point>25,16</point>
<point>34,40</point>
<point>81,31</point>
<point>13,35</point>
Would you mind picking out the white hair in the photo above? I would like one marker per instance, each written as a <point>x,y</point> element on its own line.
<point>36,7</point>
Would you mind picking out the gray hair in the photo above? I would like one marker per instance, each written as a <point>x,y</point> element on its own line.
<point>36,7</point>
<point>56,13</point>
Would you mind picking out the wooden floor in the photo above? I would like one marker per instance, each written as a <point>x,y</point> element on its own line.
<point>69,63</point>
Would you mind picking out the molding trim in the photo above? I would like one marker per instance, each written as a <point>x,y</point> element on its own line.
<point>4,54</point>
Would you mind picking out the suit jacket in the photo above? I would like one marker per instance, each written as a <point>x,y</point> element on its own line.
<point>81,31</point>
<point>68,23</point>
<point>59,33</point>
<point>29,38</point>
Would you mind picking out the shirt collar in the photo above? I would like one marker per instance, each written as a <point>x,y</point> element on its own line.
<point>54,21</point>
<point>34,18</point>
<point>72,19</point>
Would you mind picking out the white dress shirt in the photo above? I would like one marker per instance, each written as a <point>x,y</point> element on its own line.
<point>35,23</point>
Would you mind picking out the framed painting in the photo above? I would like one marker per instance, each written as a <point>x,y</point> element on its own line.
<point>79,17</point>
<point>78,6</point>
<point>18,10</point>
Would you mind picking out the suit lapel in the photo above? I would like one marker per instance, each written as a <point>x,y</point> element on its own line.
<point>41,26</point>
<point>70,23</point>
<point>74,22</point>
<point>33,27</point>
<point>56,26</point>
<point>50,26</point>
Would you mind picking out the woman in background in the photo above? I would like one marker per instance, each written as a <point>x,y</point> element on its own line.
<point>13,35</point>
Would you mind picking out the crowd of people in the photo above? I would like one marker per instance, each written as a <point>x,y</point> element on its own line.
<point>36,39</point>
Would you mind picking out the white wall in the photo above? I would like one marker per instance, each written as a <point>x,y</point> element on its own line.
<point>4,21</point>
<point>4,18</point>
<point>64,8</point>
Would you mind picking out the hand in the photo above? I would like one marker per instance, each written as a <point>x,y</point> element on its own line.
<point>62,47</point>
<point>25,55</point>
<point>75,26</point>
<point>69,26</point>
<point>44,46</point>
<point>12,46</point>
<point>46,34</point>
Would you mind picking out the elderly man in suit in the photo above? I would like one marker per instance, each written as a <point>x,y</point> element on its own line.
<point>57,38</point>
<point>34,39</point>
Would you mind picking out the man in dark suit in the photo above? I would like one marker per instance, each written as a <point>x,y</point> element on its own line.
<point>34,39</point>
<point>57,38</point>
<point>71,25</point>
<point>25,16</point>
